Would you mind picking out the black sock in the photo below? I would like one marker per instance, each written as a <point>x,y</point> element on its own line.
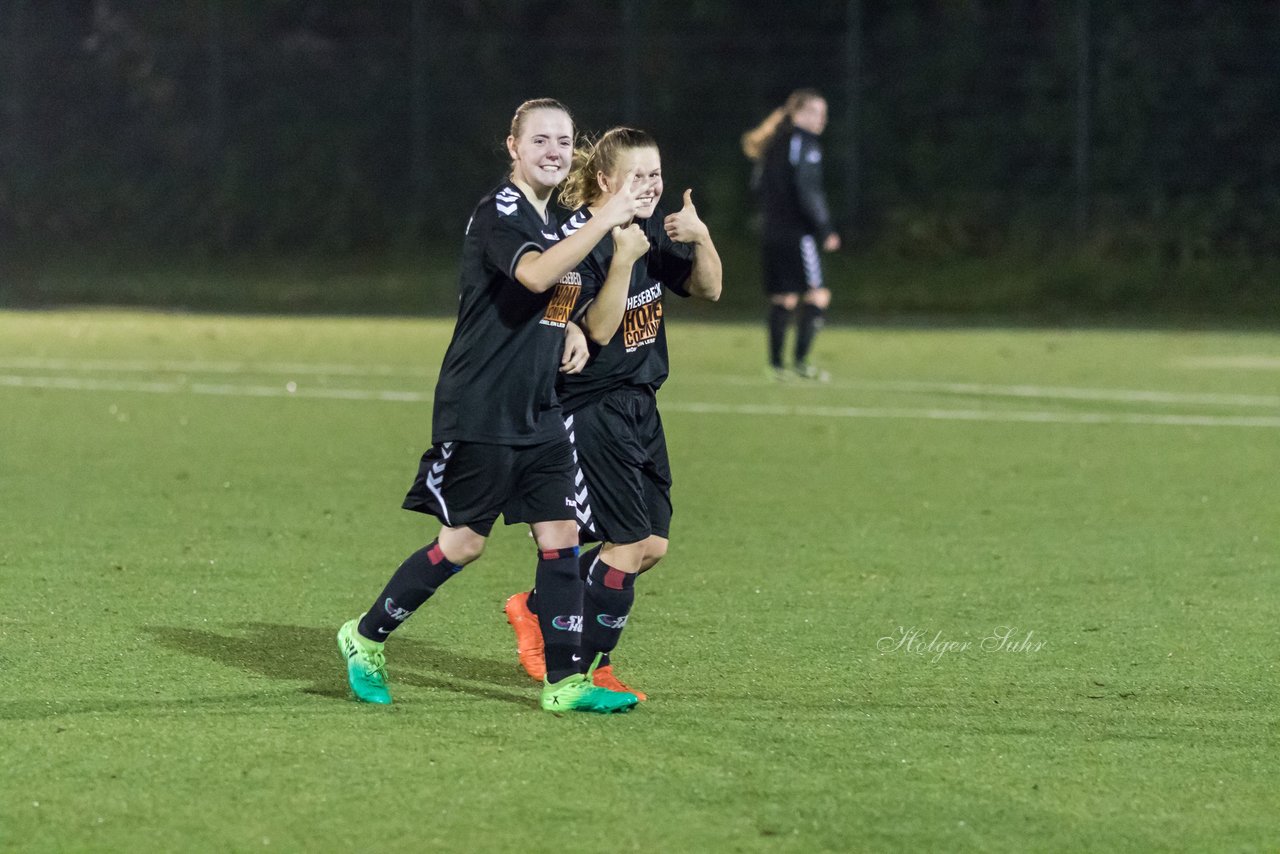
<point>811,320</point>
<point>560,611</point>
<point>586,559</point>
<point>779,320</point>
<point>413,583</point>
<point>609,595</point>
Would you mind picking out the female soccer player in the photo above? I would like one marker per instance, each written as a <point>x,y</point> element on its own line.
<point>788,177</point>
<point>499,444</point>
<point>624,495</point>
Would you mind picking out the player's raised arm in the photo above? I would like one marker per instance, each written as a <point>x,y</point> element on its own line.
<point>541,271</point>
<point>685,226</point>
<point>604,315</point>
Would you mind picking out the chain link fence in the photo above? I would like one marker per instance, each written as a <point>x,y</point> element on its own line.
<point>958,128</point>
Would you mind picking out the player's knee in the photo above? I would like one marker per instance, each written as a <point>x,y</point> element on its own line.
<point>461,545</point>
<point>625,557</point>
<point>787,301</point>
<point>561,534</point>
<point>654,551</point>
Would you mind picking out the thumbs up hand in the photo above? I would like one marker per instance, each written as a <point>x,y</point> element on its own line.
<point>684,226</point>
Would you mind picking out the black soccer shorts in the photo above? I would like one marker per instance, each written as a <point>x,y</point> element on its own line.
<point>793,266</point>
<point>624,493</point>
<point>470,483</point>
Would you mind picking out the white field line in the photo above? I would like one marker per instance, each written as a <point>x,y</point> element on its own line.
<point>1114,395</point>
<point>776,410</point>
<point>198,367</point>
<point>1235,363</point>
<point>1019,416</point>
<point>286,369</point>
<point>219,389</point>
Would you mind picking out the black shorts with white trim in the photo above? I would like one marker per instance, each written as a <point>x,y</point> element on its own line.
<point>624,479</point>
<point>792,266</point>
<point>471,483</point>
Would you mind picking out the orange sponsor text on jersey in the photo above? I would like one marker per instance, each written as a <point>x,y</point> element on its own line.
<point>640,325</point>
<point>563,299</point>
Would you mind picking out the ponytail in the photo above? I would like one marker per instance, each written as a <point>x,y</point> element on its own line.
<point>574,190</point>
<point>756,140</point>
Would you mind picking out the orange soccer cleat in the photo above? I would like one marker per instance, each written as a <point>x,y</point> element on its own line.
<point>604,678</point>
<point>528,636</point>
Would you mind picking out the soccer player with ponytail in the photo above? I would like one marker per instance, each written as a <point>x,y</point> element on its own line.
<point>624,484</point>
<point>499,444</point>
<point>796,221</point>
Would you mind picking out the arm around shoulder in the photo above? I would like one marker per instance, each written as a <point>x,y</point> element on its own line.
<point>542,271</point>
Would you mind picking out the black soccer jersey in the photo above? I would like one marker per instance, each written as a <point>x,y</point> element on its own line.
<point>637,353</point>
<point>497,383</point>
<point>789,181</point>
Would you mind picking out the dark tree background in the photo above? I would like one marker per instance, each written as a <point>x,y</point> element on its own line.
<point>959,127</point>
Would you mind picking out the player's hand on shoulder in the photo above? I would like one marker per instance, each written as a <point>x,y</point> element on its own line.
<point>685,226</point>
<point>629,244</point>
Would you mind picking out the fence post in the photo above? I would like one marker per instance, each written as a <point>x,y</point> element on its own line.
<point>630,63</point>
<point>215,134</point>
<point>217,81</point>
<point>1082,119</point>
<point>853,105</point>
<point>418,177</point>
<point>13,105</point>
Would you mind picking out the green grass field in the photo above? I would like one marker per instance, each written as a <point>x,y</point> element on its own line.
<point>193,504</point>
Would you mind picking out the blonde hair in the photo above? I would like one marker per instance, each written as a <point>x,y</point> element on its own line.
<point>581,187</point>
<point>523,111</point>
<point>756,140</point>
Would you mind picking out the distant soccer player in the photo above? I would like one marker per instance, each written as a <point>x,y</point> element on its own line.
<point>796,221</point>
<point>624,496</point>
<point>499,444</point>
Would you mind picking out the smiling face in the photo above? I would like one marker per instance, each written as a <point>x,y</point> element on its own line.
<point>648,168</point>
<point>543,153</point>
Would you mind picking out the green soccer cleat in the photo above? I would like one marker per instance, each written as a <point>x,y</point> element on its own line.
<point>576,693</point>
<point>366,664</point>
